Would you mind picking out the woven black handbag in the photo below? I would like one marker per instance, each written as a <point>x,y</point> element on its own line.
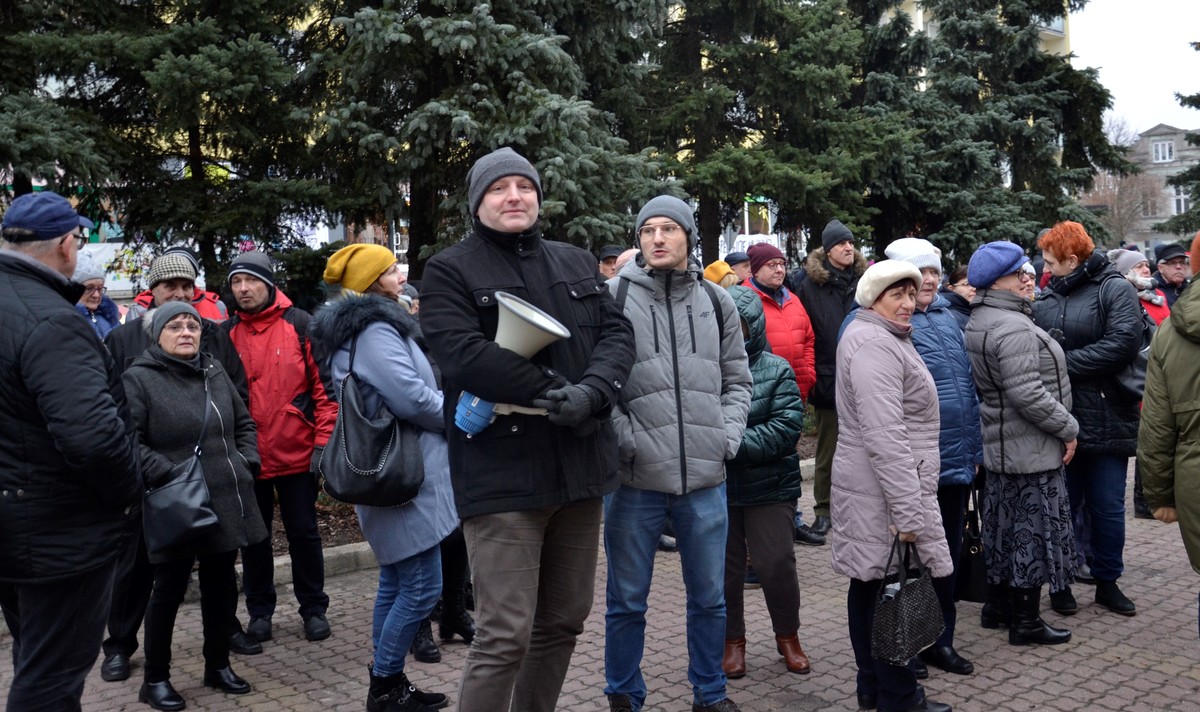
<point>908,618</point>
<point>970,583</point>
<point>374,461</point>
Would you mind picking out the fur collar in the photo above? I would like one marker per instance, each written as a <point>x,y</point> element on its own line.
<point>341,320</point>
<point>818,269</point>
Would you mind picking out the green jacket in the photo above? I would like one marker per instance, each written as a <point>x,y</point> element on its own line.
<point>766,468</point>
<point>1169,436</point>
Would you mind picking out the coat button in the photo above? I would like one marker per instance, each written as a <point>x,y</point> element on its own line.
<point>20,493</point>
<point>513,428</point>
<point>485,300</point>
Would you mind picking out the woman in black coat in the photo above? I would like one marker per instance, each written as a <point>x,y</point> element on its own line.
<point>1094,313</point>
<point>167,388</point>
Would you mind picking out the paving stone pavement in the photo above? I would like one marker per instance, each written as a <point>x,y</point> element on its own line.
<point>1148,662</point>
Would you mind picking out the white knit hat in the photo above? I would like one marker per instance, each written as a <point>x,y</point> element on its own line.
<point>916,251</point>
<point>87,267</point>
<point>882,275</point>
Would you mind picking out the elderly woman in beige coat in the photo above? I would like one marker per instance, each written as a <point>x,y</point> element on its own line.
<point>885,471</point>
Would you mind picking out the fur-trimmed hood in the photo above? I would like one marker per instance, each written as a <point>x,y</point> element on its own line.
<point>817,270</point>
<point>340,320</point>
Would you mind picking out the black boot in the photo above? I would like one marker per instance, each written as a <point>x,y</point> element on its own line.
<point>394,694</point>
<point>453,617</point>
<point>1027,627</point>
<point>423,648</point>
<point>995,613</point>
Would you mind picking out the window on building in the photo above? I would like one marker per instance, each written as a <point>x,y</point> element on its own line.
<point>1163,151</point>
<point>1149,205</point>
<point>1183,201</point>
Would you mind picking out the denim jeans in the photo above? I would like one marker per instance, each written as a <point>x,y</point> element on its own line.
<point>297,510</point>
<point>1097,484</point>
<point>633,519</point>
<point>408,591</point>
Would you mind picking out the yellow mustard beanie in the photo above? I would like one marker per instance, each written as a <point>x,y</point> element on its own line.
<point>717,271</point>
<point>356,267</point>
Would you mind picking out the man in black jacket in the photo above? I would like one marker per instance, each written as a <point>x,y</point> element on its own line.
<point>1173,270</point>
<point>528,487</point>
<point>172,279</point>
<point>826,283</point>
<point>68,460</point>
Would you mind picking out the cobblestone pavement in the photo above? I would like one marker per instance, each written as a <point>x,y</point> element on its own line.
<point>1148,662</point>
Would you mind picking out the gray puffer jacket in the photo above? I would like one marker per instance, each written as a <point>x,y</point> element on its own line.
<point>683,410</point>
<point>1024,389</point>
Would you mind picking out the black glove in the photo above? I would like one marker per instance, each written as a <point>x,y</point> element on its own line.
<point>570,405</point>
<point>314,466</point>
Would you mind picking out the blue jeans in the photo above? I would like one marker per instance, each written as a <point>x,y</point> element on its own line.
<point>408,591</point>
<point>1097,484</point>
<point>633,519</point>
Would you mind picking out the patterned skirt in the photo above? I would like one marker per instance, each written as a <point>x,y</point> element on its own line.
<point>1027,536</point>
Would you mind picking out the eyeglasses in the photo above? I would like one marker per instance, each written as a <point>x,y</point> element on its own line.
<point>95,290</point>
<point>961,285</point>
<point>776,264</point>
<point>668,230</point>
<point>1023,275</point>
<point>190,327</point>
<point>80,239</point>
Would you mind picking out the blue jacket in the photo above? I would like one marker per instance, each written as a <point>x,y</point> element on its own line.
<point>939,341</point>
<point>104,319</point>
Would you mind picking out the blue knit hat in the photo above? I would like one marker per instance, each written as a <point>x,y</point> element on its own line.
<point>994,260</point>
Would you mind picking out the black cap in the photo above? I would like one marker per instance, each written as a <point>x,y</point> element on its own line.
<point>1169,251</point>
<point>734,258</point>
<point>613,251</point>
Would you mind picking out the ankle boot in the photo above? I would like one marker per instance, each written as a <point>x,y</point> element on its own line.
<point>733,662</point>
<point>454,617</point>
<point>1027,627</point>
<point>995,613</point>
<point>394,693</point>
<point>793,655</point>
<point>423,648</point>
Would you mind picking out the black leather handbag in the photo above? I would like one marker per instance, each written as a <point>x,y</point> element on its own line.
<point>374,461</point>
<point>180,510</point>
<point>908,617</point>
<point>970,583</point>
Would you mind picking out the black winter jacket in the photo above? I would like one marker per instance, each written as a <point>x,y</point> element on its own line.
<point>524,461</point>
<point>130,340</point>
<point>828,296</point>
<point>1094,314</point>
<point>766,468</point>
<point>68,464</point>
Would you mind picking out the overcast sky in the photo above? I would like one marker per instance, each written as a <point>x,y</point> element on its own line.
<point>1143,53</point>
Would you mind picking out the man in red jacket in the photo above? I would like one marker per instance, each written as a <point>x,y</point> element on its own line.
<point>294,416</point>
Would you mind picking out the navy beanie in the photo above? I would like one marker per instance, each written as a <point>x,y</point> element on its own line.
<point>835,232</point>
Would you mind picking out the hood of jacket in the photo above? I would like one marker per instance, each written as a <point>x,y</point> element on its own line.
<point>660,281</point>
<point>750,309</point>
<point>817,267</point>
<point>341,320</point>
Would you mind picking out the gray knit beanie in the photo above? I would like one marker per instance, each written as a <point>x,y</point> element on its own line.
<point>494,166</point>
<point>835,232</point>
<point>667,206</point>
<point>254,263</point>
<point>158,318</point>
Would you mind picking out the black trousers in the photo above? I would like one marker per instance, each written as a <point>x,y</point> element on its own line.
<point>895,685</point>
<point>216,611</point>
<point>132,581</point>
<point>952,500</point>
<point>56,629</point>
<point>297,510</point>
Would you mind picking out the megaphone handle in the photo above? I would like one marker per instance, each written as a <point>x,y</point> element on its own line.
<point>509,408</point>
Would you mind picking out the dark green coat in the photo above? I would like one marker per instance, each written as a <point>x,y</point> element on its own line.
<point>1169,436</point>
<point>766,468</point>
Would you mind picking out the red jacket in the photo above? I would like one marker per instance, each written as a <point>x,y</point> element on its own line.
<point>1157,312</point>
<point>207,304</point>
<point>790,334</point>
<point>288,401</point>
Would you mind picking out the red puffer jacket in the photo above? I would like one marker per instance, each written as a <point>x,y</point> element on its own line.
<point>790,334</point>
<point>288,401</point>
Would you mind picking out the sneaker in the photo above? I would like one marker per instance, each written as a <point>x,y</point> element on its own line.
<point>751,578</point>
<point>259,629</point>
<point>725,705</point>
<point>316,627</point>
<point>1110,596</point>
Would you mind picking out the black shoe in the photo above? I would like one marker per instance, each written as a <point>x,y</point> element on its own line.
<point>919,669</point>
<point>432,700</point>
<point>944,657</point>
<point>161,696</point>
<point>423,648</point>
<point>455,620</point>
<point>1109,596</point>
<point>115,668</point>
<point>995,612</point>
<point>243,644</point>
<point>259,629</point>
<point>821,525</point>
<point>620,703</point>
<point>928,705</point>
<point>1142,513</point>
<point>1063,602</point>
<point>226,680</point>
<point>805,535</point>
<point>316,627</point>
<point>867,700</point>
<point>1084,574</point>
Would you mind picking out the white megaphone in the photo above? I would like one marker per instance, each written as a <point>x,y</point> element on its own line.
<point>523,329</point>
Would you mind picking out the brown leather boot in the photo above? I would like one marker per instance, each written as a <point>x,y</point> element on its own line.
<point>734,660</point>
<point>793,655</point>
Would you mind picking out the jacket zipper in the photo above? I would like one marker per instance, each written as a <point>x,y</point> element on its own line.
<point>678,395</point>
<point>654,321</point>
<point>691,328</point>
<point>232,472</point>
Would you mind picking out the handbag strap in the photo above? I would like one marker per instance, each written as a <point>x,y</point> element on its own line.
<point>903,566</point>
<point>973,523</point>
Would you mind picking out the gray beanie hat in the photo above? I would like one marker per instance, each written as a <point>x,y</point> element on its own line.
<point>668,206</point>
<point>1123,260</point>
<point>494,166</point>
<point>834,233</point>
<point>157,318</point>
<point>254,263</point>
<point>87,267</point>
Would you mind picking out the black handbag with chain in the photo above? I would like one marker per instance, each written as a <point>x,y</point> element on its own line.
<point>374,461</point>
<point>970,582</point>
<point>908,617</point>
<point>180,510</point>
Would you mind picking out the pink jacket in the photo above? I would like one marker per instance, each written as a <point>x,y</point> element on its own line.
<point>885,470</point>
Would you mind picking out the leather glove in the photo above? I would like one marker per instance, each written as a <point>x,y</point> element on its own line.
<point>314,466</point>
<point>570,405</point>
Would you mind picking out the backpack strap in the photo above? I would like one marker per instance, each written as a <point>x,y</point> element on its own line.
<point>711,290</point>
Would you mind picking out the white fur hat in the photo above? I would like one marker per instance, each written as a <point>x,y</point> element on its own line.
<point>882,275</point>
<point>916,251</point>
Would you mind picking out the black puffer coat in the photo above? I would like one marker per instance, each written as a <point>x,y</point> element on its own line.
<point>68,458</point>
<point>166,396</point>
<point>828,296</point>
<point>766,468</point>
<point>1094,313</point>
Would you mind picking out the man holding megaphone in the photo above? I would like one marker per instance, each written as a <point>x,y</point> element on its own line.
<point>530,469</point>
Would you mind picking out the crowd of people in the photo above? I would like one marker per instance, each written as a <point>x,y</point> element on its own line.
<point>675,406</point>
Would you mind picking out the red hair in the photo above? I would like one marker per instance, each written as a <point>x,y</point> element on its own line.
<point>1065,239</point>
<point>1196,248</point>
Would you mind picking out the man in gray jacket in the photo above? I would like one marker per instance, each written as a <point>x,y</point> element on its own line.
<point>680,416</point>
